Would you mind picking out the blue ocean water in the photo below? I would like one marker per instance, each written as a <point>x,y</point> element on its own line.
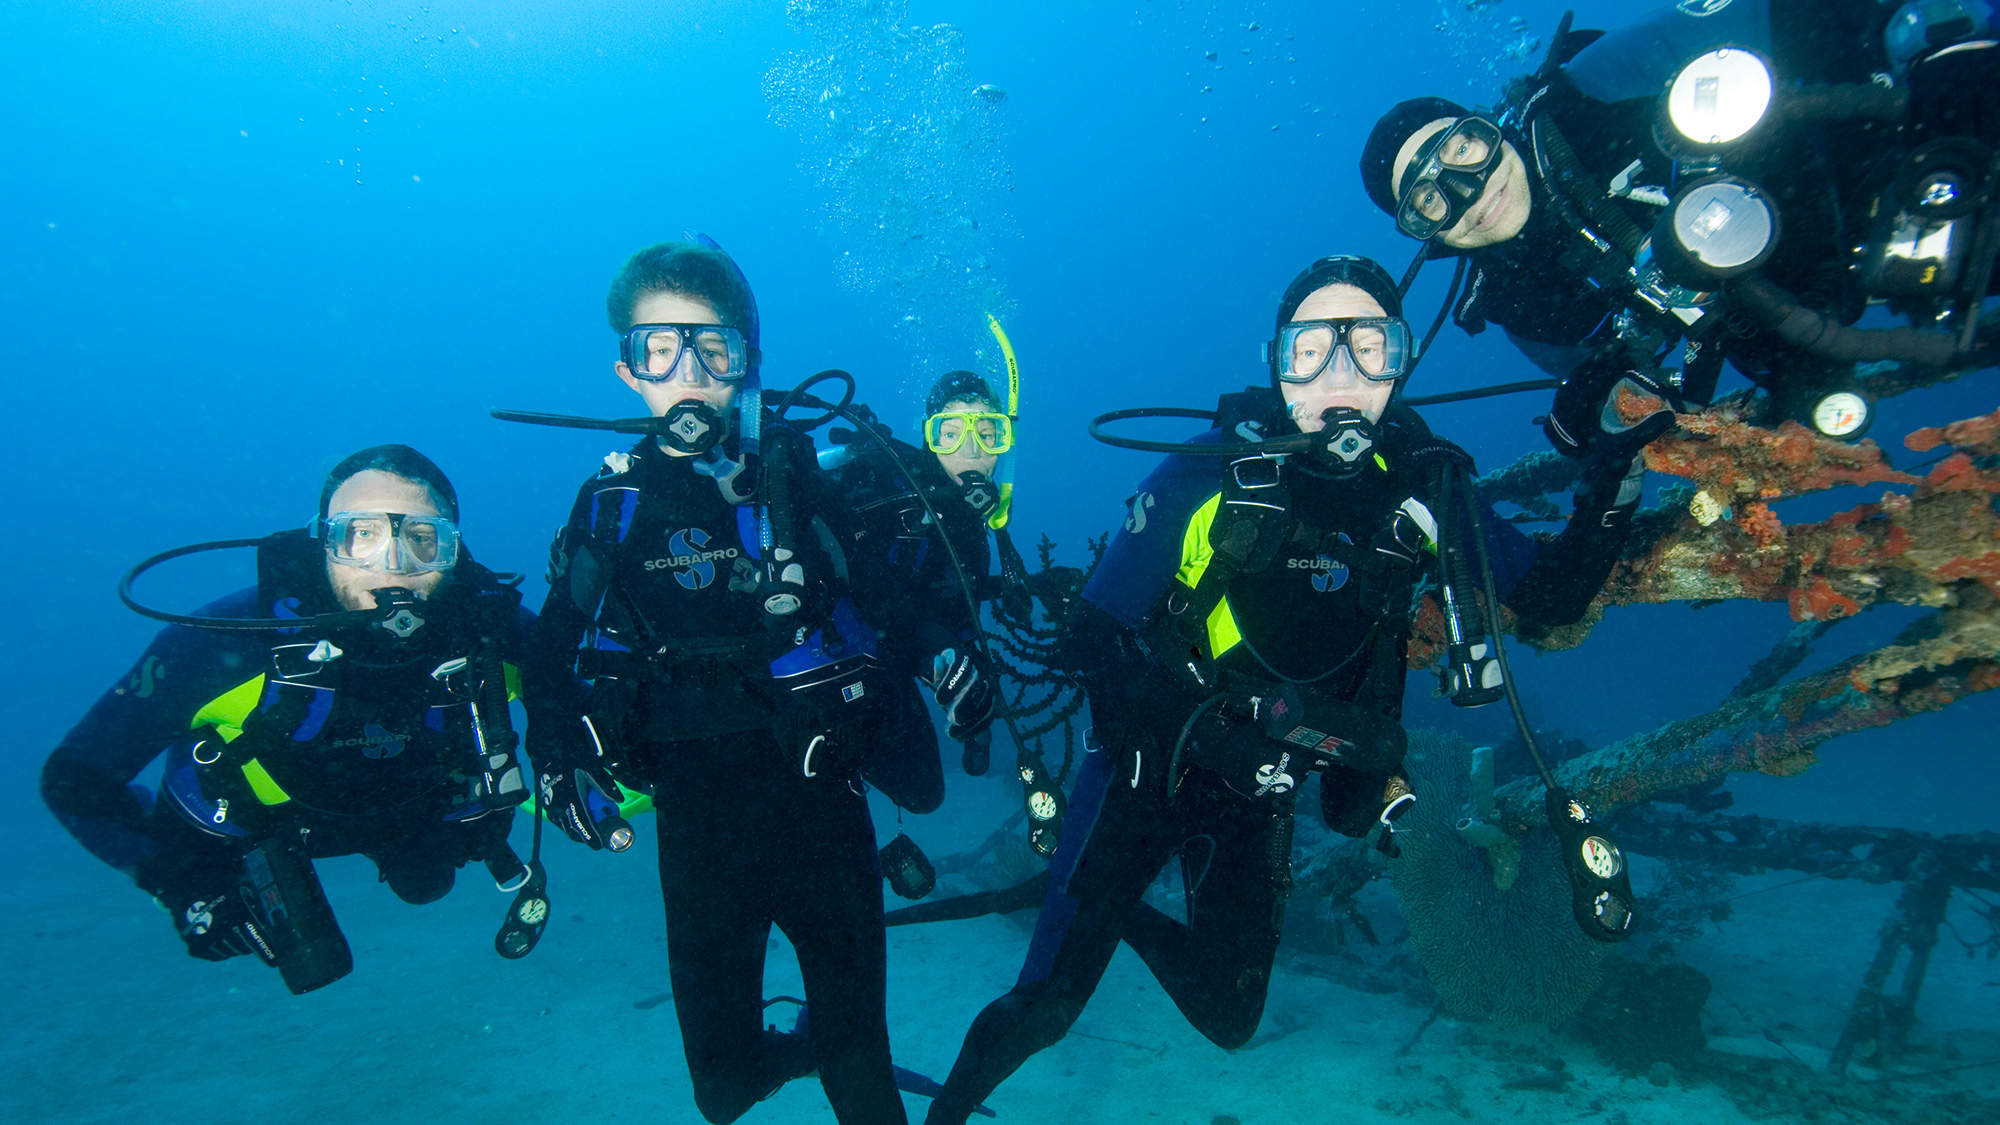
<point>244,239</point>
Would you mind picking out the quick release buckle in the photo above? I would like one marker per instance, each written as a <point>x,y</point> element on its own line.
<point>1274,463</point>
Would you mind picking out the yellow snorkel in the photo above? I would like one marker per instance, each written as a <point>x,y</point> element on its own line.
<point>1004,477</point>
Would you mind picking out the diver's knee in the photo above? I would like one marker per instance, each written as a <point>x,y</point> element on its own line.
<point>1039,1016</point>
<point>721,1099</point>
<point>927,800</point>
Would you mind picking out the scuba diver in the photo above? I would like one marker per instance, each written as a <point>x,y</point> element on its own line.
<point>1735,180</point>
<point>699,647</point>
<point>353,701</point>
<point>929,593</point>
<point>1248,627</point>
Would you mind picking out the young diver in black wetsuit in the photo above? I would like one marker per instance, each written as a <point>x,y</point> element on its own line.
<point>1609,211</point>
<point>354,701</point>
<point>929,631</point>
<point>1248,626</point>
<point>729,677</point>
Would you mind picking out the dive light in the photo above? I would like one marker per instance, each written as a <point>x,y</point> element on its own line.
<point>1719,97</point>
<point>1713,229</point>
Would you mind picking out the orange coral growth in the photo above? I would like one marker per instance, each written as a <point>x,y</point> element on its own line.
<point>1821,603</point>
<point>1428,634</point>
<point>1984,677</point>
<point>1728,457</point>
<point>1762,524</point>
<point>1981,435</point>
<point>1956,473</point>
<point>1985,567</point>
<point>1634,407</point>
<point>1848,550</point>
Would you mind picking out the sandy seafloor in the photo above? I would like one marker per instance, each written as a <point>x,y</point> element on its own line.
<point>109,1021</point>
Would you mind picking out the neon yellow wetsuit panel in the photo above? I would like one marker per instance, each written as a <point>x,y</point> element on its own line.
<point>1223,634</point>
<point>226,712</point>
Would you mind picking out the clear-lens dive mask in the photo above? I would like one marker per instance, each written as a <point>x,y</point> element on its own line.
<point>391,542</point>
<point>652,351</point>
<point>1447,177</point>
<point>945,432</point>
<point>1376,347</point>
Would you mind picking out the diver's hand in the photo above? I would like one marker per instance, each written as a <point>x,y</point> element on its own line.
<point>978,753</point>
<point>215,924</point>
<point>1592,418</point>
<point>964,688</point>
<point>583,802</point>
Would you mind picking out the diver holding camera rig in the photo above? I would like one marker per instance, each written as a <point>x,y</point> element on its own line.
<point>354,701</point>
<point>1731,180</point>
<point>1249,627</point>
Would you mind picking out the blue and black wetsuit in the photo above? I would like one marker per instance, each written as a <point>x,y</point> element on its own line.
<point>909,574</point>
<point>654,632</point>
<point>367,750</point>
<point>1330,614</point>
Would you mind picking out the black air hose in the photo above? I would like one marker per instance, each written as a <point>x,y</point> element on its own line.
<point>1822,336</point>
<point>1854,101</point>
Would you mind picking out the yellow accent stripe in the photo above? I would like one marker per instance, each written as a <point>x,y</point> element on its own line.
<point>263,784</point>
<point>1222,631</point>
<point>513,678</point>
<point>1196,553</point>
<point>630,805</point>
<point>226,712</point>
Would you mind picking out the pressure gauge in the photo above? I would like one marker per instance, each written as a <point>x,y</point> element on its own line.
<point>1041,805</point>
<point>1601,856</point>
<point>1841,414</point>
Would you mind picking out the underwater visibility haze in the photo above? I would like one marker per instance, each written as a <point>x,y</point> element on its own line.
<point>242,240</point>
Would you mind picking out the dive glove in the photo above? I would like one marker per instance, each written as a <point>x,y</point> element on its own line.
<point>583,802</point>
<point>216,925</point>
<point>964,689</point>
<point>1586,422</point>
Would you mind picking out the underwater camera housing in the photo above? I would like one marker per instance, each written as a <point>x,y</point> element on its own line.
<point>282,890</point>
<point>1927,221</point>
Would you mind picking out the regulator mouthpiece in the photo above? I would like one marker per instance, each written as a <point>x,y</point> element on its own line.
<point>693,427</point>
<point>1347,441</point>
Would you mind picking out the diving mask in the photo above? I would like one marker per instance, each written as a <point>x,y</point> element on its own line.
<point>652,351</point>
<point>391,542</point>
<point>1447,176</point>
<point>1377,348</point>
<point>946,431</point>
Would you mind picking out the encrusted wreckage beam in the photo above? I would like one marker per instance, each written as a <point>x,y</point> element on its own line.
<point>1755,844</point>
<point>1934,663</point>
<point>1936,545</point>
<point>1913,548</point>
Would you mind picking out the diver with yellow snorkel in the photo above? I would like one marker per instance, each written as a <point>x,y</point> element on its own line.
<point>922,518</point>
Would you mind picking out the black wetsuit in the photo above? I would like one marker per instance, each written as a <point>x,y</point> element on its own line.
<point>370,752</point>
<point>1604,102</point>
<point>909,574</point>
<point>1321,615</point>
<point>650,600</point>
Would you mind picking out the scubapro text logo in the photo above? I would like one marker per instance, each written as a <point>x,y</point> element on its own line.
<point>693,566</point>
